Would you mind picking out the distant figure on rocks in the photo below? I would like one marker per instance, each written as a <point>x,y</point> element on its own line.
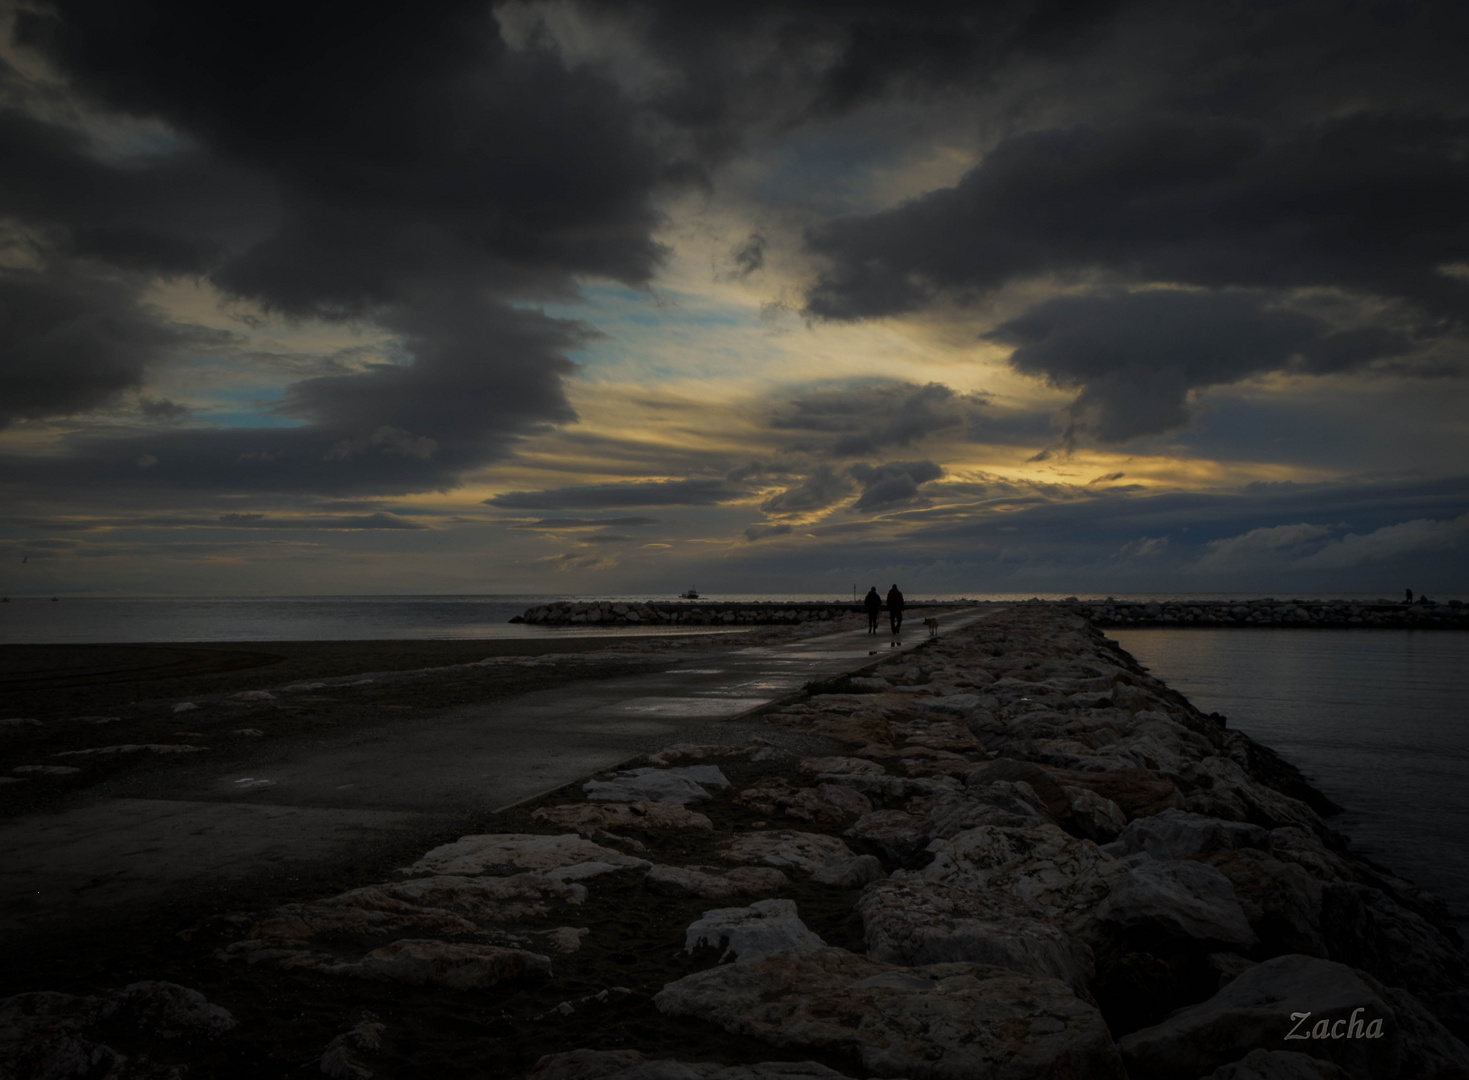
<point>873,603</point>
<point>1409,598</point>
<point>895,611</point>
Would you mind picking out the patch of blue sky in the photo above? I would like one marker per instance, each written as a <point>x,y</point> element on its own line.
<point>245,407</point>
<point>671,333</point>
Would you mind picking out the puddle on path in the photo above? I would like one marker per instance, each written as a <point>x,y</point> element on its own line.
<point>686,706</point>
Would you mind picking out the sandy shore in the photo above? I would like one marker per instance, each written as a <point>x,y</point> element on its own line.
<point>871,799</point>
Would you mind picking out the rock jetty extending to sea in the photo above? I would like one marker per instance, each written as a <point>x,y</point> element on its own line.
<point>1424,615</point>
<point>1010,853</point>
<point>1383,614</point>
<point>687,613</point>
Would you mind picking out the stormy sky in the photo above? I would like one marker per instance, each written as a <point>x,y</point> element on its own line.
<point>628,296</point>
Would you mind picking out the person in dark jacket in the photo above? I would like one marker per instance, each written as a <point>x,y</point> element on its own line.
<point>895,609</point>
<point>873,603</point>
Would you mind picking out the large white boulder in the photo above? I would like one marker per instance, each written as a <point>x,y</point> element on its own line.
<point>748,933</point>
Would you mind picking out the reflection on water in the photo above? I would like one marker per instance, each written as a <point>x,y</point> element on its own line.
<point>1377,719</point>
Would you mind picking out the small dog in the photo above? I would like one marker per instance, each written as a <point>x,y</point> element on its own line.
<point>933,626</point>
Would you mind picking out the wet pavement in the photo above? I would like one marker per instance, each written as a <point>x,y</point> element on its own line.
<point>297,806</point>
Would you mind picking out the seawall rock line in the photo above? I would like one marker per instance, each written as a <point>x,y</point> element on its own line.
<point>1344,614</point>
<point>689,613</point>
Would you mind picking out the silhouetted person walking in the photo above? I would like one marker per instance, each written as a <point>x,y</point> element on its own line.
<point>895,610</point>
<point>873,603</point>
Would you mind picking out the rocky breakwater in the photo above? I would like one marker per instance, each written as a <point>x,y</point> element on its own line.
<point>1010,853</point>
<point>609,613</point>
<point>1424,615</point>
<point>1069,872</point>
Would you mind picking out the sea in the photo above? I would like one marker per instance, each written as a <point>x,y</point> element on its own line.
<point>1377,719</point>
<point>122,619</point>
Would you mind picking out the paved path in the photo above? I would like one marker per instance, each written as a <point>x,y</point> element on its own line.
<point>297,807</point>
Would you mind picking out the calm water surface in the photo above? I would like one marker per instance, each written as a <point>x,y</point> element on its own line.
<point>83,619</point>
<point>1377,719</point>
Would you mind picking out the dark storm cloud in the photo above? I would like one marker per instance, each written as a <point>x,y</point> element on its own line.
<point>821,489</point>
<point>644,493</point>
<point>749,256</point>
<point>866,419</point>
<point>1111,518</point>
<point>1368,202</point>
<point>404,148</point>
<point>408,170</point>
<point>170,212</point>
<point>162,410</point>
<point>70,342</point>
<point>1136,356</point>
<point>730,68</point>
<point>892,482</point>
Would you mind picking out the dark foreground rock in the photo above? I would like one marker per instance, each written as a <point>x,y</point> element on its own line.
<point>940,1021</point>
<point>1315,1007</point>
<point>51,1035</point>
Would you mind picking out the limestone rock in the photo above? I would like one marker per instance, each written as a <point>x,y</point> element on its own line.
<point>1137,792</point>
<point>927,761</point>
<point>1363,927</point>
<point>861,727</point>
<point>825,804</point>
<point>693,752</point>
<point>748,933</point>
<point>631,1065</point>
<point>584,1064</point>
<point>1278,1065</point>
<point>787,850</point>
<point>425,962</point>
<point>1179,834</point>
<point>171,1011</point>
<point>1255,1010</point>
<point>484,899</point>
<point>849,873</point>
<point>1094,816</point>
<point>921,922</point>
<point>1061,876</point>
<point>681,786</point>
<point>44,1034</point>
<point>896,833</point>
<point>507,853</point>
<point>1227,790</point>
<point>613,817</point>
<point>711,883</point>
<point>1011,804</point>
<point>1282,902</point>
<point>953,704</point>
<point>1185,899</point>
<point>343,1058</point>
<point>940,1022</point>
<point>840,766</point>
<point>1052,797</point>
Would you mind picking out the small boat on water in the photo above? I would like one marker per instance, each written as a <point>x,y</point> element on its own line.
<point>692,594</point>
